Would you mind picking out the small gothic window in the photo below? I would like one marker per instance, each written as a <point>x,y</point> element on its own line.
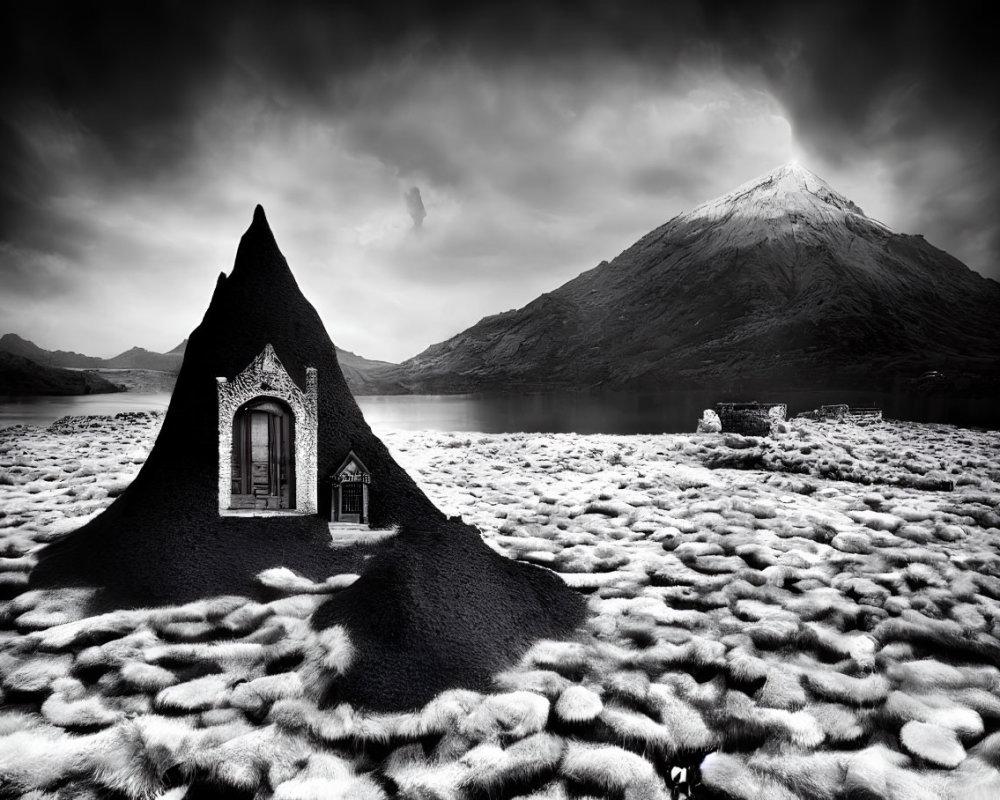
<point>350,491</point>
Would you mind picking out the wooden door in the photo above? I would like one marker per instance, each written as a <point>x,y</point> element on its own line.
<point>262,465</point>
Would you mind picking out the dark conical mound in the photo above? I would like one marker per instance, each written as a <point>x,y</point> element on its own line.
<point>163,540</point>
<point>436,609</point>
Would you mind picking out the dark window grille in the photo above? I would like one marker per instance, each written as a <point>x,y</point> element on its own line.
<point>350,498</point>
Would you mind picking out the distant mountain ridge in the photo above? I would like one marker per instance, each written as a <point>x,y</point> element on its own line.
<point>12,343</point>
<point>781,283</point>
<point>135,358</point>
<point>355,368</point>
<point>140,358</point>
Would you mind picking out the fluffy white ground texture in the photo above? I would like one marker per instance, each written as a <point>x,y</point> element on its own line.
<point>810,615</point>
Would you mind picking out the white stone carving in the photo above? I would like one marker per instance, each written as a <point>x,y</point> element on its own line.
<point>266,376</point>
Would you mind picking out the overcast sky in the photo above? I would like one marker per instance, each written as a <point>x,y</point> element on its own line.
<point>423,165</point>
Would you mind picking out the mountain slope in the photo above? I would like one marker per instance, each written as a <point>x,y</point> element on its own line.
<point>12,343</point>
<point>358,370</point>
<point>21,376</point>
<point>140,358</point>
<point>782,283</point>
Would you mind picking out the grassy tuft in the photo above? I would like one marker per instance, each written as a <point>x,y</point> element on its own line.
<point>541,681</point>
<point>685,724</point>
<point>636,731</point>
<point>934,744</point>
<point>611,770</point>
<point>498,771</point>
<point>86,712</point>
<point>840,724</point>
<point>513,715</point>
<point>578,704</point>
<point>862,692</point>
<point>146,677</point>
<point>254,695</point>
<point>328,655</point>
<point>39,757</point>
<point>194,695</point>
<point>445,711</point>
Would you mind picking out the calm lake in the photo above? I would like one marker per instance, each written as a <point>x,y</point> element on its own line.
<point>607,412</point>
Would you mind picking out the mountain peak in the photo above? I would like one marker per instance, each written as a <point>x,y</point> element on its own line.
<point>795,169</point>
<point>789,188</point>
<point>793,177</point>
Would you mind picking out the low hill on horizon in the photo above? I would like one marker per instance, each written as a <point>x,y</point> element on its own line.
<point>780,284</point>
<point>20,376</point>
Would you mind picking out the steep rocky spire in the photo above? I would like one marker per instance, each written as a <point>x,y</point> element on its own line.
<point>139,547</point>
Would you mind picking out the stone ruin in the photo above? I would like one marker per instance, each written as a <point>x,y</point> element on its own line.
<point>750,419</point>
<point>841,412</point>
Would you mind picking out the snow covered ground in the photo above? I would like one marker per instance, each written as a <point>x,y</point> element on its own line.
<point>811,615</point>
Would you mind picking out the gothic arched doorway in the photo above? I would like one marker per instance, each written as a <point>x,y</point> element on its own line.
<point>263,461</point>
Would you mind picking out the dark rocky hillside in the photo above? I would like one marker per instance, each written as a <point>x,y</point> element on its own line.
<point>21,376</point>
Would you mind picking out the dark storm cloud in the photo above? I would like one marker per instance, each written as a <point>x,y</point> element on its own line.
<point>415,206</point>
<point>135,75</point>
<point>837,65</point>
<point>549,132</point>
<point>906,82</point>
<point>134,72</point>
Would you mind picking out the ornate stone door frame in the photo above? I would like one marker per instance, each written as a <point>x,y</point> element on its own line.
<point>266,376</point>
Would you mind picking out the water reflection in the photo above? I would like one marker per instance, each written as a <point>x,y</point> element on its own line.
<point>605,412</point>
<point>638,412</point>
<point>43,411</point>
